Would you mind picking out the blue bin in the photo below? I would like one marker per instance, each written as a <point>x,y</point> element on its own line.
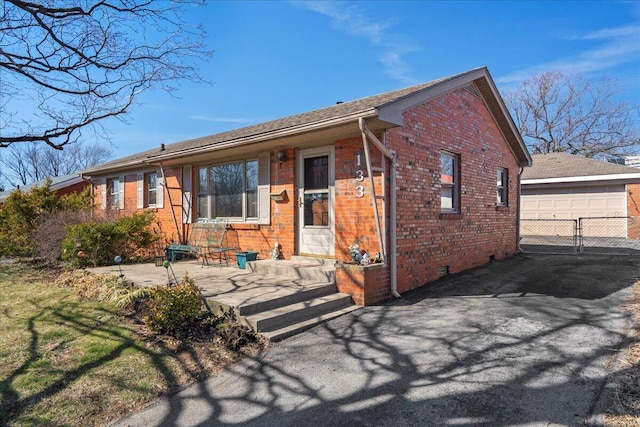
<point>243,257</point>
<point>173,256</point>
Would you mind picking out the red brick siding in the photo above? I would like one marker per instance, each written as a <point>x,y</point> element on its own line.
<point>75,188</point>
<point>457,122</point>
<point>355,220</point>
<point>633,211</point>
<point>367,285</point>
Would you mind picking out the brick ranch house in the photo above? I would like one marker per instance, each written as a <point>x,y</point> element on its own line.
<point>427,176</point>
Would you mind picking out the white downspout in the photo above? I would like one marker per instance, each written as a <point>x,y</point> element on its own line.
<point>366,133</point>
<point>518,248</point>
<point>393,226</point>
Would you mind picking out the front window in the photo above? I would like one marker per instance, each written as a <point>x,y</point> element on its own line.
<point>151,180</point>
<point>228,190</point>
<point>501,188</point>
<point>450,182</point>
<point>114,193</point>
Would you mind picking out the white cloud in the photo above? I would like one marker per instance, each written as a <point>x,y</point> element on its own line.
<point>347,17</point>
<point>609,48</point>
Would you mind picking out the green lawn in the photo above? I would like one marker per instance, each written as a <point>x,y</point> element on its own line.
<point>69,361</point>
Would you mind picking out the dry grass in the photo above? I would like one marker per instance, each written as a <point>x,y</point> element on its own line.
<point>625,408</point>
<point>66,360</point>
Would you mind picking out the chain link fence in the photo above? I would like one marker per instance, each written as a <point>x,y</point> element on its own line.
<point>604,235</point>
<point>549,235</point>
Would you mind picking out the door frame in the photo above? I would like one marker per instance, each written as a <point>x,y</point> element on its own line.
<point>300,191</point>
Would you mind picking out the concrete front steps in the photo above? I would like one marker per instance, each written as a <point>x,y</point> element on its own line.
<point>313,298</point>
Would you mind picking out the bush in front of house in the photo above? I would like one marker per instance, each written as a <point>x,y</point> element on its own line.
<point>98,242</point>
<point>172,308</point>
<point>23,213</point>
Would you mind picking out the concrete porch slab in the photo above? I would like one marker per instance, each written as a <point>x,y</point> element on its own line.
<point>225,286</point>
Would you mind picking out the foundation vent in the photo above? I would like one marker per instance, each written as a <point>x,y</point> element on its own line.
<point>443,271</point>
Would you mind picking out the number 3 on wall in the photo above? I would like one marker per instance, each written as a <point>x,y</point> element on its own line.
<point>359,191</point>
<point>359,175</point>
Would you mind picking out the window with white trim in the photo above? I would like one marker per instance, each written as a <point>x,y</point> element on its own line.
<point>501,187</point>
<point>113,193</point>
<point>449,182</point>
<point>151,184</point>
<point>228,190</point>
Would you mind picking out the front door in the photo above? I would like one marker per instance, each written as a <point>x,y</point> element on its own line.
<point>316,176</point>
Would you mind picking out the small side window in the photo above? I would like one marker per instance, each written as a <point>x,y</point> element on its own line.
<point>501,188</point>
<point>151,180</point>
<point>450,183</point>
<point>114,193</point>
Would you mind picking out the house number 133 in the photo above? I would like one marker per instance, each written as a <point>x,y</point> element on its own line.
<point>359,178</point>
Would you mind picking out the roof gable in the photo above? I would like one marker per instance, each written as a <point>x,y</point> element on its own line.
<point>386,108</point>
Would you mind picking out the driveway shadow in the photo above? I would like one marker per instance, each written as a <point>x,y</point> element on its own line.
<point>589,277</point>
<point>524,341</point>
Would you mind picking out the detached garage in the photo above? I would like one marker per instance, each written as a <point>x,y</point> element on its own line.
<point>561,186</point>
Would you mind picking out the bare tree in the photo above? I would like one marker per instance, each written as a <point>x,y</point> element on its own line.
<point>557,112</point>
<point>27,163</point>
<point>69,64</point>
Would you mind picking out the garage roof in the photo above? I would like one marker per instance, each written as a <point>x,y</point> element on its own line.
<point>564,167</point>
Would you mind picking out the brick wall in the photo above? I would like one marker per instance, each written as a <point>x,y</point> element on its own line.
<point>355,220</point>
<point>430,242</point>
<point>633,211</point>
<point>366,284</point>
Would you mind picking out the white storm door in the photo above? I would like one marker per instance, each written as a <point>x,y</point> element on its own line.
<point>316,176</point>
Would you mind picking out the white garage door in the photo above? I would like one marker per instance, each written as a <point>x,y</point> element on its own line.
<point>578,202</point>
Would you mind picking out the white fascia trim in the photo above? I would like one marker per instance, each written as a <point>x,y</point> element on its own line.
<point>306,128</point>
<point>588,178</point>
<point>247,140</point>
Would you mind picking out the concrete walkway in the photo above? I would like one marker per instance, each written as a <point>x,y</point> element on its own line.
<point>228,285</point>
<point>527,341</point>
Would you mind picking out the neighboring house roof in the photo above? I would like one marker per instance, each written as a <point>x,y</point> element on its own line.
<point>57,183</point>
<point>381,111</point>
<point>566,168</point>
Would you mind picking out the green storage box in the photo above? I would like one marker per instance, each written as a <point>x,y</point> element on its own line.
<point>243,257</point>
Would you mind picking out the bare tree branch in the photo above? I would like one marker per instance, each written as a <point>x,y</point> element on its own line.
<point>24,164</point>
<point>555,112</point>
<point>77,63</point>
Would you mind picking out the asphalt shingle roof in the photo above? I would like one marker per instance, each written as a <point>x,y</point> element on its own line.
<point>327,117</point>
<point>562,165</point>
<point>323,114</point>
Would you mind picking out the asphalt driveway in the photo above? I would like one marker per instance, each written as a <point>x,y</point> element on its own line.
<point>526,341</point>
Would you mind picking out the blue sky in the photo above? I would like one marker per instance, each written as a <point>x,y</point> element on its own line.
<point>273,59</point>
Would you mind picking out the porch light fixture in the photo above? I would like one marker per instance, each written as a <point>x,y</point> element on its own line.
<point>281,156</point>
<point>279,197</point>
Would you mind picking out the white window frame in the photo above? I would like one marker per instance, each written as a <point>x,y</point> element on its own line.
<point>115,197</point>
<point>502,187</point>
<point>148,190</point>
<point>454,186</point>
<point>143,190</point>
<point>208,192</point>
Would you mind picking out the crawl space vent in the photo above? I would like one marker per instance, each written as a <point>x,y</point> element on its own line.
<point>443,271</point>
